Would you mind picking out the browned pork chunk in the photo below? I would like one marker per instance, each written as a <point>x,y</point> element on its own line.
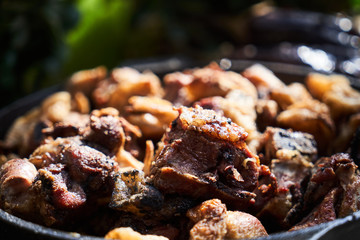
<point>204,155</point>
<point>16,178</point>
<point>124,83</point>
<point>212,221</point>
<point>192,85</point>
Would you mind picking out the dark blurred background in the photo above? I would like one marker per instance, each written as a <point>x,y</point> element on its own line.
<point>44,41</point>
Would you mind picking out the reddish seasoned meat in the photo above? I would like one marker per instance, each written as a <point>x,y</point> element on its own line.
<point>72,178</point>
<point>205,156</point>
<point>89,167</point>
<point>57,184</point>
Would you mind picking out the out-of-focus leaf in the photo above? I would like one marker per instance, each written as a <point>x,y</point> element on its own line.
<point>99,37</point>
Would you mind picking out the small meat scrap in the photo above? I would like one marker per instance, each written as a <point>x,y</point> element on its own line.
<point>151,114</point>
<point>336,92</point>
<point>124,83</point>
<point>85,81</point>
<point>266,111</point>
<point>263,79</point>
<point>126,233</point>
<point>212,221</point>
<point>193,85</point>
<point>290,94</point>
<point>204,155</point>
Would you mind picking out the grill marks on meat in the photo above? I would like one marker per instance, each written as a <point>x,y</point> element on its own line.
<point>204,156</point>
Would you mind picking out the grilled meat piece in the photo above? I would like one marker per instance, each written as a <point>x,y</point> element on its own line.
<point>290,94</point>
<point>126,233</point>
<point>151,114</point>
<point>267,111</point>
<point>212,221</point>
<point>193,85</point>
<point>124,83</point>
<point>336,91</point>
<point>74,180</point>
<point>236,105</point>
<point>86,80</point>
<point>204,155</point>
<point>209,220</point>
<point>263,79</point>
<point>289,156</point>
<point>16,178</point>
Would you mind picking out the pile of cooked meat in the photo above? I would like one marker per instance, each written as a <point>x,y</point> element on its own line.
<point>201,154</point>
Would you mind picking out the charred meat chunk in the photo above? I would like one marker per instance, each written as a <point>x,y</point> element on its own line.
<point>276,139</point>
<point>205,155</point>
<point>333,181</point>
<point>132,194</point>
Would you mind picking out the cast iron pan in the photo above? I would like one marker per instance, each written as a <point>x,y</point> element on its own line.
<point>12,227</point>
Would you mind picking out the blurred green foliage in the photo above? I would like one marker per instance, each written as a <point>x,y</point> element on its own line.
<point>100,36</point>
